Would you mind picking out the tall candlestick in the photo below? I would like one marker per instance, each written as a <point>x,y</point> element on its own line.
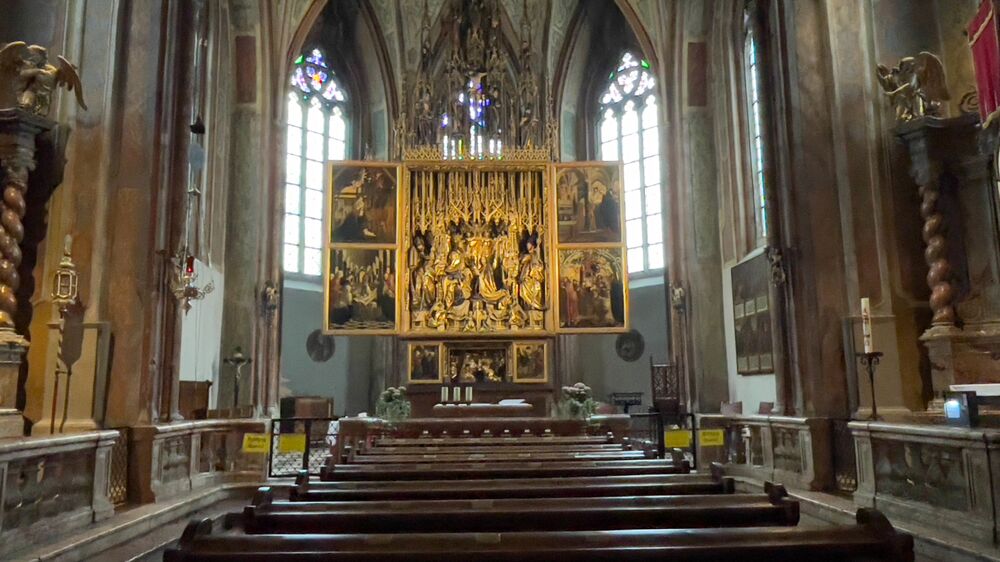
<point>444,394</point>
<point>866,324</point>
<point>456,394</point>
<point>468,394</point>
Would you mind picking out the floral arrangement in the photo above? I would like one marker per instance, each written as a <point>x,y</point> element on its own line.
<point>577,402</point>
<point>392,404</point>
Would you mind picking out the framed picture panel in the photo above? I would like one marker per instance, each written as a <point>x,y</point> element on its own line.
<point>361,263</point>
<point>588,207</point>
<point>424,363</point>
<point>363,202</point>
<point>531,362</point>
<point>592,290</point>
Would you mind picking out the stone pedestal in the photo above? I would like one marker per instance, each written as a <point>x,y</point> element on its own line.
<point>11,354</point>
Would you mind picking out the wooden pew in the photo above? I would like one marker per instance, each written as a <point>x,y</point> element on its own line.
<point>494,440</point>
<point>524,469</point>
<point>472,449</point>
<point>599,486</point>
<point>873,538</point>
<point>508,515</point>
<point>500,457</point>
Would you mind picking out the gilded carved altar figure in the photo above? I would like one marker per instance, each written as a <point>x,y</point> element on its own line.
<point>916,86</point>
<point>27,69</point>
<point>476,264</point>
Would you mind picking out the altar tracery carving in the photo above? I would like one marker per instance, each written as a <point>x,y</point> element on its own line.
<point>478,258</point>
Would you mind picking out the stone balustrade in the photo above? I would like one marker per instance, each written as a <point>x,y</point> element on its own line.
<point>790,450</point>
<point>49,485</point>
<point>939,477</point>
<point>168,460</point>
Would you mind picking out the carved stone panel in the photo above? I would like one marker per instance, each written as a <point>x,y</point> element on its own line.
<point>921,472</point>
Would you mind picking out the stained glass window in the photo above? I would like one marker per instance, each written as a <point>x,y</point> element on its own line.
<point>628,130</point>
<point>756,146</point>
<point>476,102</point>
<point>316,132</point>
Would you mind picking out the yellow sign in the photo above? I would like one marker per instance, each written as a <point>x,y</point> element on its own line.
<point>711,438</point>
<point>255,442</point>
<point>677,438</point>
<point>292,443</point>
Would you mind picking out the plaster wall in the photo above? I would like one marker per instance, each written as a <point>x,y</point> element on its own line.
<point>599,365</point>
<point>346,377</point>
<point>200,356</point>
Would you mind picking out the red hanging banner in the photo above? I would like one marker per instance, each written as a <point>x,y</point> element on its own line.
<point>984,41</point>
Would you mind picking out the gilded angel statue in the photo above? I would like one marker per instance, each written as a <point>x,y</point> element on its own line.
<point>27,69</point>
<point>916,86</point>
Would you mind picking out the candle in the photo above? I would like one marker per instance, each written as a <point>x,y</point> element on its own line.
<point>866,324</point>
<point>444,394</point>
<point>468,394</point>
<point>456,394</point>
<point>190,264</point>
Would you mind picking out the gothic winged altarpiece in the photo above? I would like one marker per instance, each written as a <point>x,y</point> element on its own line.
<point>475,238</point>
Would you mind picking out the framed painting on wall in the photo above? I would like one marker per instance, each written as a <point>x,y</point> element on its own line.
<point>752,316</point>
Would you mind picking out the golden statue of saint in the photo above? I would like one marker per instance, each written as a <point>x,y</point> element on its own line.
<point>532,278</point>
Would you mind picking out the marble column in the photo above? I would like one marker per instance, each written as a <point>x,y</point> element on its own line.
<point>18,130</point>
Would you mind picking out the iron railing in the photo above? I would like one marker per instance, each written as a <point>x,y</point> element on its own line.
<point>845,470</point>
<point>118,474</point>
<point>300,444</point>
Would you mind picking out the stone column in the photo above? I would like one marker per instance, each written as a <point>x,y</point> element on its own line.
<point>18,130</point>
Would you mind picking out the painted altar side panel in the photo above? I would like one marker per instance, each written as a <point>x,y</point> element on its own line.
<point>361,261</point>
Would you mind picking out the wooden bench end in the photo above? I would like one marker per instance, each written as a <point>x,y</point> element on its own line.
<point>716,470</point>
<point>775,492</point>
<point>263,497</point>
<point>302,478</point>
<point>195,529</point>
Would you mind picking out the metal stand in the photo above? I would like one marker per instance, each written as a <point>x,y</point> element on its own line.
<point>870,362</point>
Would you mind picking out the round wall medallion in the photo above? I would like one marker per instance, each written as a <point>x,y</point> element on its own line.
<point>630,345</point>
<point>320,346</point>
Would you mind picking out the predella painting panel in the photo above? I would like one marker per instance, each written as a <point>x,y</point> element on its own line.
<point>485,362</point>
<point>361,290</point>
<point>530,362</point>
<point>364,202</point>
<point>591,289</point>
<point>425,363</point>
<point>589,203</point>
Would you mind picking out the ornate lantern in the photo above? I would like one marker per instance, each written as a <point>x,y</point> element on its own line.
<point>65,281</point>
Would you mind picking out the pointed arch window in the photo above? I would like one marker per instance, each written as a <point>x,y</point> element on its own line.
<point>629,130</point>
<point>317,130</point>
<point>756,146</point>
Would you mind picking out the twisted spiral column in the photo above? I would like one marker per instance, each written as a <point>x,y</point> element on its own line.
<point>936,255</point>
<point>12,209</point>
